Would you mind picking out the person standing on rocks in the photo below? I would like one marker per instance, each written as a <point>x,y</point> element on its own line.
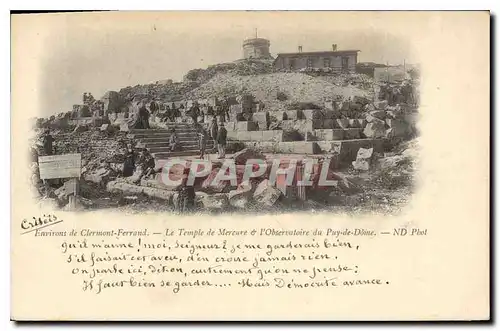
<point>194,112</point>
<point>129,163</point>
<point>186,198</point>
<point>48,142</point>
<point>202,138</point>
<point>153,107</point>
<point>221,141</point>
<point>144,117</point>
<point>214,129</point>
<point>173,141</point>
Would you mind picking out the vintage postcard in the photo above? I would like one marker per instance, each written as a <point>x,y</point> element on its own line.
<point>251,166</point>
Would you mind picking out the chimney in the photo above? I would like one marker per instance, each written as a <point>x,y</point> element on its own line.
<point>300,49</point>
<point>334,47</point>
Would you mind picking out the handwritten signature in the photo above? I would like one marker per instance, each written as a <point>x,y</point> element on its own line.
<point>36,223</point>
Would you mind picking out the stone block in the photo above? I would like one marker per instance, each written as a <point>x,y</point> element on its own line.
<point>369,107</point>
<point>329,134</point>
<point>374,130</point>
<point>124,127</point>
<point>246,126</point>
<point>256,135</point>
<point>277,115</point>
<point>329,105</point>
<point>230,126</point>
<point>294,114</point>
<point>302,126</point>
<point>262,126</point>
<point>266,195</point>
<point>243,135</point>
<point>372,119</point>
<point>272,135</point>
<point>352,133</point>
<point>380,114</point>
<point>312,114</point>
<point>261,116</point>
<point>381,104</point>
<point>331,114</point>
<point>329,124</point>
<point>299,147</point>
<point>342,123</point>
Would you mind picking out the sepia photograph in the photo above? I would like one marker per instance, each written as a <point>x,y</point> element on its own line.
<point>250,166</point>
<point>245,120</point>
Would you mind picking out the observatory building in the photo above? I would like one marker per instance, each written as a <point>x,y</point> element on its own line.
<point>256,48</point>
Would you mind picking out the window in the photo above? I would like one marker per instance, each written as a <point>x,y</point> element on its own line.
<point>326,62</point>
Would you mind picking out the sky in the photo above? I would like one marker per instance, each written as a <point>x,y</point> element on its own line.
<point>96,52</point>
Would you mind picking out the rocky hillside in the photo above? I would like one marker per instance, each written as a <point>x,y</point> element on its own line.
<point>293,87</point>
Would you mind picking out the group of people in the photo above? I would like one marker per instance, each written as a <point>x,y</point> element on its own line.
<point>144,159</point>
<point>397,93</point>
<point>216,132</point>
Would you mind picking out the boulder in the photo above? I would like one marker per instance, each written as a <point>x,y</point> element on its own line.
<point>381,104</point>
<point>266,195</point>
<point>373,119</point>
<point>100,176</point>
<point>380,114</point>
<point>124,127</point>
<point>242,196</point>
<point>369,107</point>
<point>374,130</point>
<point>365,153</point>
<point>361,165</point>
<point>245,154</point>
<point>218,201</point>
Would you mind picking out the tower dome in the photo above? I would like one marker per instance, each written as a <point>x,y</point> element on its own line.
<point>256,48</point>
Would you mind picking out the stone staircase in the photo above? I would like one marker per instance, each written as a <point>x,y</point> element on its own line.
<point>157,140</point>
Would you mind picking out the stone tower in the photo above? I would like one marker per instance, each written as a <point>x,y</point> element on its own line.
<point>256,48</point>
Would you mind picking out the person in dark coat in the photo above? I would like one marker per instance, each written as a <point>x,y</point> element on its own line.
<point>48,142</point>
<point>186,198</point>
<point>153,107</point>
<point>173,141</point>
<point>221,141</point>
<point>194,112</point>
<point>144,117</point>
<point>202,140</point>
<point>214,129</point>
<point>129,163</point>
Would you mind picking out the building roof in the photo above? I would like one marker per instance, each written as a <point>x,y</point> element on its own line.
<point>320,53</point>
